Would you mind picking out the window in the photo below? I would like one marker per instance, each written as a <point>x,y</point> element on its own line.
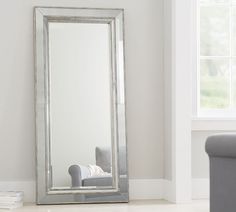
<point>217,58</point>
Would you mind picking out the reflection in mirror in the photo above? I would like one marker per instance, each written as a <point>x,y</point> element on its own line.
<point>80,104</point>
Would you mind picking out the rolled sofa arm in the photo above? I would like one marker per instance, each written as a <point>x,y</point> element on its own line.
<point>75,173</point>
<point>221,145</point>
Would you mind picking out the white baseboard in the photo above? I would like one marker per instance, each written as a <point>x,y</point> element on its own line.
<point>139,189</point>
<point>168,191</point>
<point>200,188</point>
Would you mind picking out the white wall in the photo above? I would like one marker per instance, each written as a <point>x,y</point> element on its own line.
<point>200,160</point>
<point>144,85</point>
<point>167,89</point>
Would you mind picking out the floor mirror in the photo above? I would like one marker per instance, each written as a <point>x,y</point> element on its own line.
<point>80,106</point>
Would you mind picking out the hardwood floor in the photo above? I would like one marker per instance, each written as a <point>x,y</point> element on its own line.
<point>133,206</point>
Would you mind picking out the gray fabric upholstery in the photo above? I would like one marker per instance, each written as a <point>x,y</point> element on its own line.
<point>98,181</point>
<point>222,153</point>
<point>103,159</point>
<point>75,173</point>
<point>80,174</point>
<point>221,145</point>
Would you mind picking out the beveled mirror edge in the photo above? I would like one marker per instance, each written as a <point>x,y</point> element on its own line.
<point>43,196</point>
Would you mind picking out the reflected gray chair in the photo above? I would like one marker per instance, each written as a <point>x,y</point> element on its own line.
<point>80,174</point>
<point>222,154</point>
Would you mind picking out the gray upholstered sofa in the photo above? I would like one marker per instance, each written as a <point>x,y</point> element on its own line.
<point>80,176</point>
<point>222,153</point>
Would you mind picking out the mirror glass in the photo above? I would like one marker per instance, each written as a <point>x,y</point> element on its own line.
<point>80,103</point>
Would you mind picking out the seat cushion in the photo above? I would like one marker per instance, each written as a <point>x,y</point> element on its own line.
<point>97,181</point>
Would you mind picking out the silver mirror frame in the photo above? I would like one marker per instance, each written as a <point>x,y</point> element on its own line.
<point>46,194</point>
